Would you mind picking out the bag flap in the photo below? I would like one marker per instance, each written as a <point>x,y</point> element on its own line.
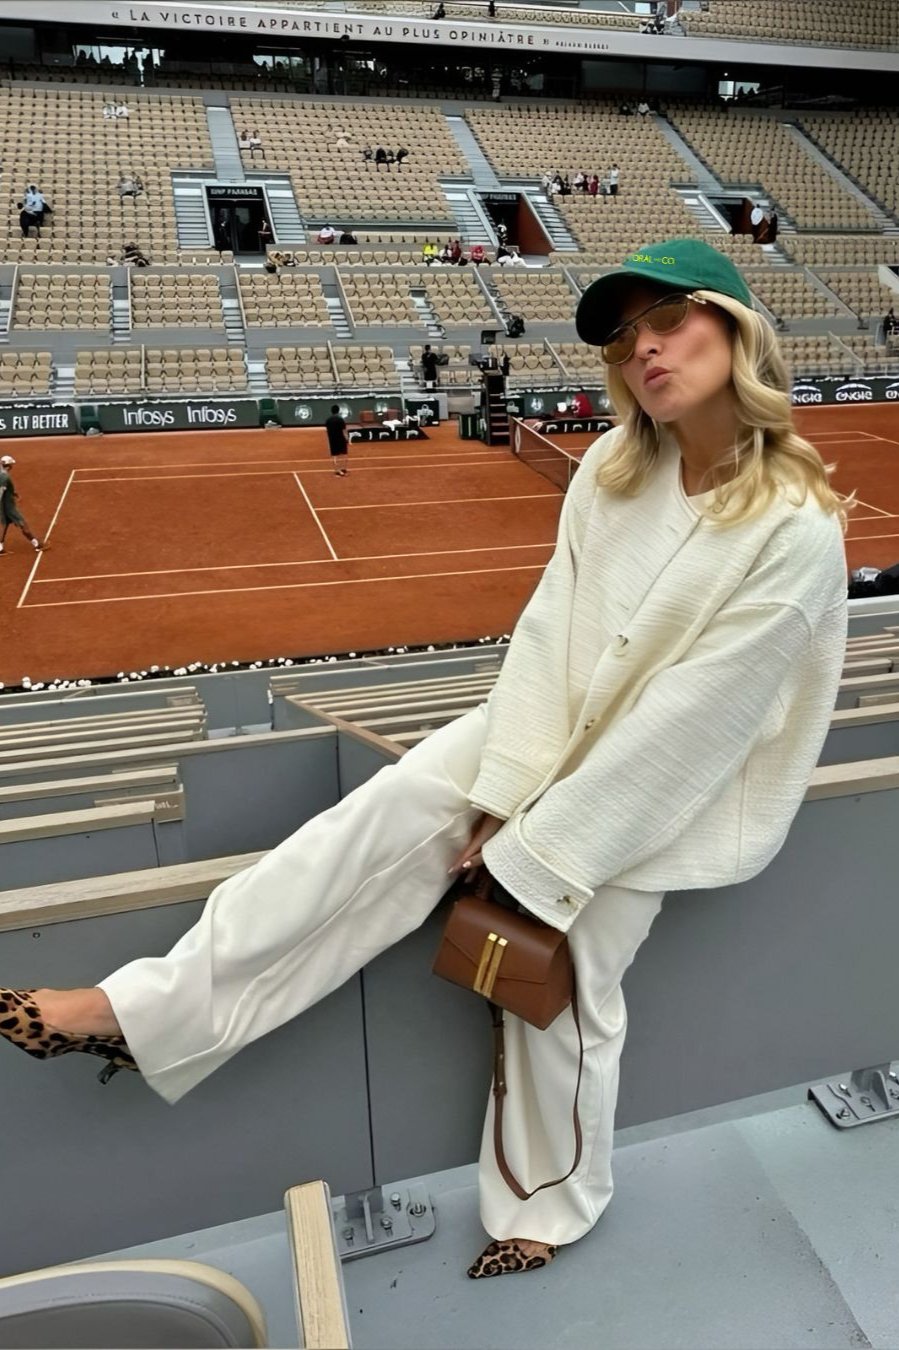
<point>533,947</point>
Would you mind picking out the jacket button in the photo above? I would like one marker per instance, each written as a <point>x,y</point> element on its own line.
<point>620,644</point>
<point>588,725</point>
<point>565,900</point>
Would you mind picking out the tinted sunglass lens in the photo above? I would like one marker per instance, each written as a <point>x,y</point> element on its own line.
<point>619,348</point>
<point>668,316</point>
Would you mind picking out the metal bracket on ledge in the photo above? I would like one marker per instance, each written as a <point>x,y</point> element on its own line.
<point>871,1094</point>
<point>383,1217</point>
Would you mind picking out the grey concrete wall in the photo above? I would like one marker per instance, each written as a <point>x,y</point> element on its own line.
<point>101,1167</point>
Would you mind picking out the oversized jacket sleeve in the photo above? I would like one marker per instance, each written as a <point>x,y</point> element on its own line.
<point>527,703</point>
<point>650,774</point>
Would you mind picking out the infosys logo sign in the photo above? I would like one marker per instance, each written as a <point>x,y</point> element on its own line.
<point>854,391</point>
<point>807,393</point>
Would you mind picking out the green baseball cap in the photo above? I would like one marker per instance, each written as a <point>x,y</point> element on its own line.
<point>682,264</point>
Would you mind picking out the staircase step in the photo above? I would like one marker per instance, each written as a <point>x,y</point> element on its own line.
<point>225,150</point>
<point>482,170</point>
<point>190,213</point>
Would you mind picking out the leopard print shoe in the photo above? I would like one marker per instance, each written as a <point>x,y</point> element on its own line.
<point>21,1025</point>
<point>507,1258</point>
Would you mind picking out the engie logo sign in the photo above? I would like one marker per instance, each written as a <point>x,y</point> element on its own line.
<point>807,393</point>
<point>854,391</point>
<point>892,391</point>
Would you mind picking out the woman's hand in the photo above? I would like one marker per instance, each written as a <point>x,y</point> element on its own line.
<point>485,828</point>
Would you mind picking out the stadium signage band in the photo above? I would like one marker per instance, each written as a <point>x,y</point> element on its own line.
<point>852,390</point>
<point>191,415</point>
<point>37,419</point>
<point>295,22</point>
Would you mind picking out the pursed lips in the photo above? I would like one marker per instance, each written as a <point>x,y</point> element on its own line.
<point>655,374</point>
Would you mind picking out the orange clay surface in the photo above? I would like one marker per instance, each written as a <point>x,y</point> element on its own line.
<point>166,548</point>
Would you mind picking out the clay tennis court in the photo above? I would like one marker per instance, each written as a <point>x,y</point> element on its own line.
<point>167,548</point>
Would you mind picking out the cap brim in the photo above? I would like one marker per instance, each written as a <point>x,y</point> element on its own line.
<point>599,307</point>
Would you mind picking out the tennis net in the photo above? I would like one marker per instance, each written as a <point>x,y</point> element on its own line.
<point>540,454</point>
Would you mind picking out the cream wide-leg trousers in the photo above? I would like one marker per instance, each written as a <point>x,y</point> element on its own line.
<point>281,935</point>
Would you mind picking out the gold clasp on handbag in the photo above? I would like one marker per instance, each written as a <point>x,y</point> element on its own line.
<point>488,968</point>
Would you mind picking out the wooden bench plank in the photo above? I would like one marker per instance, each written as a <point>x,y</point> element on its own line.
<point>864,775</point>
<point>27,754</point>
<point>318,1281</point>
<point>162,779</point>
<point>92,820</point>
<point>118,893</point>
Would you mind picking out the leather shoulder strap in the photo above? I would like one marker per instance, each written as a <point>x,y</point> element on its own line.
<point>499,1092</point>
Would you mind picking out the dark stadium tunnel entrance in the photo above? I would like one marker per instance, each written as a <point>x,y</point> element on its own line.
<point>239,217</point>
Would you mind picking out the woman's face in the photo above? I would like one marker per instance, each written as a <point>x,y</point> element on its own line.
<point>675,376</point>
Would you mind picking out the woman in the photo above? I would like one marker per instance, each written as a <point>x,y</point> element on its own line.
<point>678,662</point>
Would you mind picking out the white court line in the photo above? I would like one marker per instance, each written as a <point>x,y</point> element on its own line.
<point>292,586</point>
<point>301,562</point>
<point>493,457</point>
<point>316,519</point>
<point>37,561</point>
<point>884,515</point>
<point>273,473</point>
<point>447,501</point>
<point>868,507</point>
<point>862,539</point>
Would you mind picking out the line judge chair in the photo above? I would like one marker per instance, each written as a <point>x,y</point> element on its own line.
<point>128,1304</point>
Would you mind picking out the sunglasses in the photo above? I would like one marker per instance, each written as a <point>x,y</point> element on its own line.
<point>662,316</point>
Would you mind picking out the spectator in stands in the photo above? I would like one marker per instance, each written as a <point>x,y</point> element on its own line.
<point>401,155</point>
<point>890,324</point>
<point>702,709</point>
<point>132,254</point>
<point>335,426</point>
<point>772,227</point>
<point>477,255</point>
<point>614,176</point>
<point>565,189</point>
<point>265,235</point>
<point>35,203</point>
<point>9,507</point>
<point>505,365</point>
<point>342,143</point>
<point>756,220</point>
<point>327,234</point>
<point>380,157</point>
<point>109,112</point>
<point>643,107</point>
<point>593,185</point>
<point>502,231</point>
<point>255,143</point>
<point>428,251</point>
<point>367,154</point>
<point>440,11</point>
<point>581,405</point>
<point>347,237</point>
<point>446,253</point>
<point>122,110</point>
<point>243,140</point>
<point>491,9</point>
<point>555,186</point>
<point>455,250</point>
<point>429,367</point>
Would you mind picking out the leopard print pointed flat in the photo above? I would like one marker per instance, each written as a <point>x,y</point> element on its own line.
<point>507,1258</point>
<point>21,1024</point>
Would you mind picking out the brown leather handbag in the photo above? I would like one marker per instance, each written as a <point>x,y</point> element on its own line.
<point>519,965</point>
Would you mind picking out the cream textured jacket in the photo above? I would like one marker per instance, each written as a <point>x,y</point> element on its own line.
<point>665,695</point>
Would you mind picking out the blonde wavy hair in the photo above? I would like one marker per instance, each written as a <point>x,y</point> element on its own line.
<point>770,454</point>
